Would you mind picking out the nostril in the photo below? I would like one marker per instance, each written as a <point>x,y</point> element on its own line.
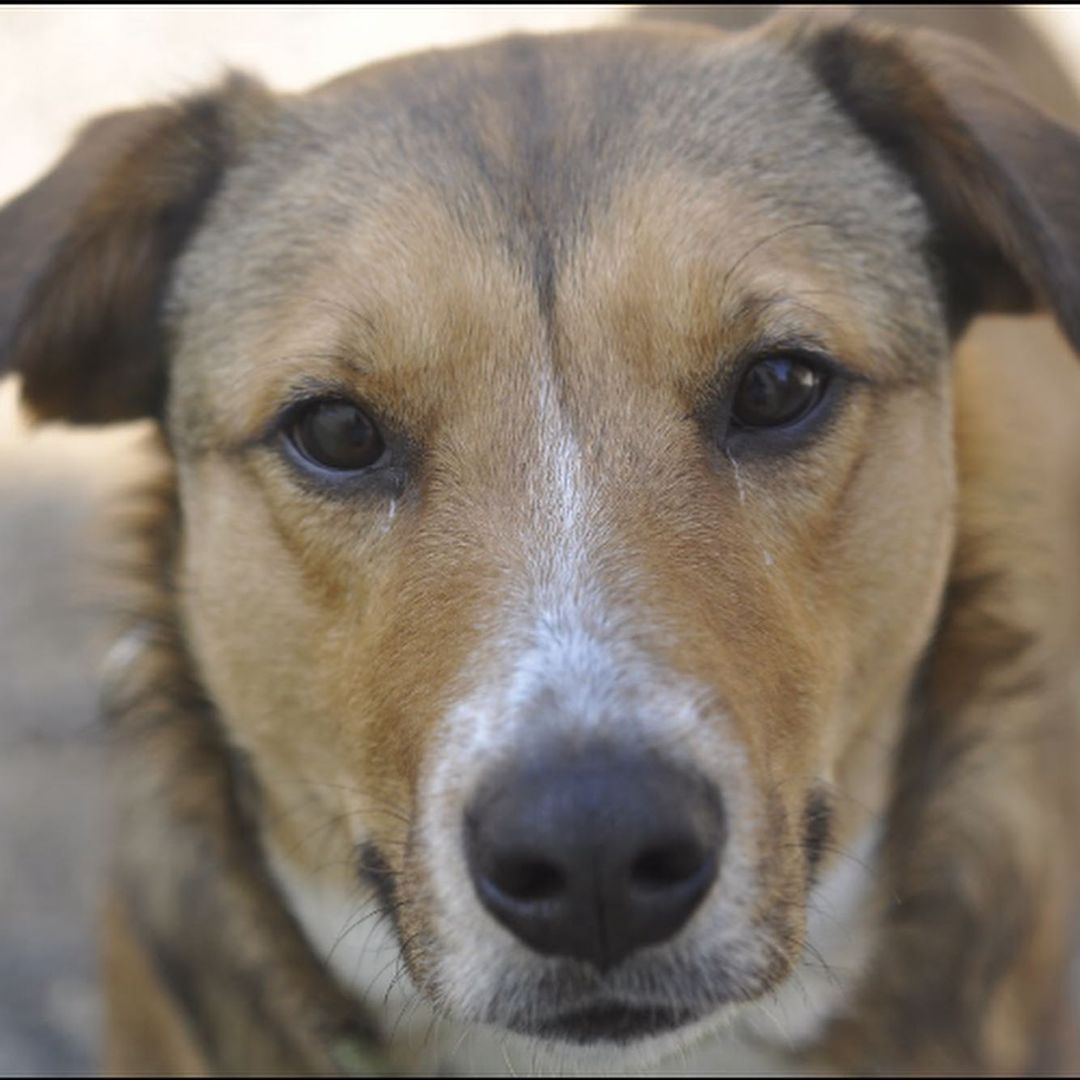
<point>668,865</point>
<point>527,880</point>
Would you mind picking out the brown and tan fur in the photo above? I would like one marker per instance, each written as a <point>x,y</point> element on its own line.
<point>540,264</point>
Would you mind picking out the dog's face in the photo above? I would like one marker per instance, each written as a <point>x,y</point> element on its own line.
<point>563,432</point>
<point>620,477</point>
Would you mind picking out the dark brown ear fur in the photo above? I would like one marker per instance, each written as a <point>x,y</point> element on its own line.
<point>86,254</point>
<point>1000,177</point>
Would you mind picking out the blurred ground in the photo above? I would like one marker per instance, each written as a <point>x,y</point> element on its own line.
<point>58,66</point>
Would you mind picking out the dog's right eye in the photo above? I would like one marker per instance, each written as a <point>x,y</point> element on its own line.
<point>335,434</point>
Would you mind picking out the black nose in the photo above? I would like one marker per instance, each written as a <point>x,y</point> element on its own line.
<point>594,855</point>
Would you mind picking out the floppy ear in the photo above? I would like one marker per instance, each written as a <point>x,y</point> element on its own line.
<point>1000,177</point>
<point>86,253</point>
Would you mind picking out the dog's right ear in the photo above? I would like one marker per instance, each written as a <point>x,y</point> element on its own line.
<point>86,254</point>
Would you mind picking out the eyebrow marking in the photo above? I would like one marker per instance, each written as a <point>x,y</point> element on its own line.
<point>355,314</point>
<point>759,244</point>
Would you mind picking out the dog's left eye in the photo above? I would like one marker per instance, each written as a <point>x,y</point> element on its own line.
<point>777,391</point>
<point>336,435</point>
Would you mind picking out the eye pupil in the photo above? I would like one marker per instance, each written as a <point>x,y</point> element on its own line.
<point>337,435</point>
<point>775,392</point>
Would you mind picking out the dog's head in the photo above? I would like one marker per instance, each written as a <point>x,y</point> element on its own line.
<point>563,434</point>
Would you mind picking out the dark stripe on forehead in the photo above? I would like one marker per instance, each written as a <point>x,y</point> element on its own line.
<point>537,182</point>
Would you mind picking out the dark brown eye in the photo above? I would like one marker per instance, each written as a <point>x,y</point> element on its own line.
<point>777,391</point>
<point>336,435</point>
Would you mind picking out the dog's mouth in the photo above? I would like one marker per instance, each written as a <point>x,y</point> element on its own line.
<point>606,1022</point>
<point>629,1007</point>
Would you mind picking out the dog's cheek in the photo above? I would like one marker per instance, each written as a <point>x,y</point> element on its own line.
<point>273,653</point>
<point>891,540</point>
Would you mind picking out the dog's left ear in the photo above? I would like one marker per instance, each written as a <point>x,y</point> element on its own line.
<point>86,253</point>
<point>1000,177</point>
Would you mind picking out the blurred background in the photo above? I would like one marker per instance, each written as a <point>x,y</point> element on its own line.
<point>59,66</point>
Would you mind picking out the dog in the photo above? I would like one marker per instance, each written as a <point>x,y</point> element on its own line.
<point>600,605</point>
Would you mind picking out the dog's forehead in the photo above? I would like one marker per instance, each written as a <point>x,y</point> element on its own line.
<point>536,135</point>
<point>541,130</point>
<point>540,161</point>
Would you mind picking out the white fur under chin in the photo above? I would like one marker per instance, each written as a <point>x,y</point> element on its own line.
<point>361,950</point>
